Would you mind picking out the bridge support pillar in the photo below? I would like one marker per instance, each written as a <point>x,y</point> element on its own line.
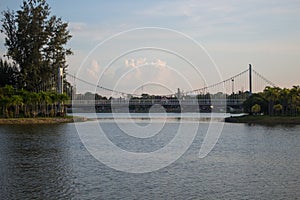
<point>60,88</point>
<point>60,81</point>
<point>250,79</point>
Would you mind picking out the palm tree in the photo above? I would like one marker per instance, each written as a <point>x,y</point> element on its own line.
<point>36,100</point>
<point>62,99</point>
<point>27,101</point>
<point>271,94</point>
<point>277,108</point>
<point>54,101</point>
<point>5,102</point>
<point>45,100</point>
<point>295,99</point>
<point>16,101</point>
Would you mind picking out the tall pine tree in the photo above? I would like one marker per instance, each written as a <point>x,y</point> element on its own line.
<point>8,74</point>
<point>36,42</point>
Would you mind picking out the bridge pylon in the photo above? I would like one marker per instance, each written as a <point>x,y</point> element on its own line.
<point>250,78</point>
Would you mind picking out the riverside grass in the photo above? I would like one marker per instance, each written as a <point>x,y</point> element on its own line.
<point>41,120</point>
<point>265,119</point>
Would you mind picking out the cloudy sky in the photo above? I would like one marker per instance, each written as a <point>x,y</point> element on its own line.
<point>229,33</point>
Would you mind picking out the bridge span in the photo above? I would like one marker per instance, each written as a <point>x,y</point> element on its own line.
<point>174,105</point>
<point>150,102</point>
<point>229,93</point>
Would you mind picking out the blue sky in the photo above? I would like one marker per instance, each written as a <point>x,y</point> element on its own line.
<point>234,33</point>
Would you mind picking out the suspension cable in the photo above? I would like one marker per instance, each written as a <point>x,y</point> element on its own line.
<point>219,83</point>
<point>101,87</point>
<point>265,79</point>
<point>196,91</point>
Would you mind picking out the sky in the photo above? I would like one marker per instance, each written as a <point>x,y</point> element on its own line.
<point>195,42</point>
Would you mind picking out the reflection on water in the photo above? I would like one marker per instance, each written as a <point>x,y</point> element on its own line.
<point>35,162</point>
<point>250,162</point>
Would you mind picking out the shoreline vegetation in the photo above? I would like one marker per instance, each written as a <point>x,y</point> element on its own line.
<point>264,119</point>
<point>248,119</point>
<point>41,120</point>
<point>34,88</point>
<point>33,82</point>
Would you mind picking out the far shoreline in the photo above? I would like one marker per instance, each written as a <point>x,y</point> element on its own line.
<point>264,119</point>
<point>41,120</point>
<point>248,119</point>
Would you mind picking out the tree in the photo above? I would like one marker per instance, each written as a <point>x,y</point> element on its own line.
<point>45,100</point>
<point>285,100</point>
<point>62,98</point>
<point>271,95</point>
<point>27,102</point>
<point>277,108</point>
<point>36,42</point>
<point>36,101</point>
<point>6,94</point>
<point>255,109</point>
<point>295,99</point>
<point>16,101</point>
<point>54,101</point>
<point>257,98</point>
<point>274,100</point>
<point>8,74</point>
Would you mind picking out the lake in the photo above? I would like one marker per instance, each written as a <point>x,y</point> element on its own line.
<point>247,162</point>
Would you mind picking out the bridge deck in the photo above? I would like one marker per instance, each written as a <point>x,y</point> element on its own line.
<point>191,102</point>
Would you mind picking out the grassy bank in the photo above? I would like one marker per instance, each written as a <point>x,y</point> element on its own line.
<point>264,119</point>
<point>41,120</point>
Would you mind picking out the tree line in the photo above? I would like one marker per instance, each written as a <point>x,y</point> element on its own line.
<point>22,103</point>
<point>274,101</point>
<point>36,50</point>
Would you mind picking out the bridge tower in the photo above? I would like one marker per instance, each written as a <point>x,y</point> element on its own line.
<point>250,79</point>
<point>60,85</point>
<point>60,81</point>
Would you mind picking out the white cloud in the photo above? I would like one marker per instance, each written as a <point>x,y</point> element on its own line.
<point>135,62</point>
<point>131,62</point>
<point>77,26</point>
<point>94,70</point>
<point>159,63</point>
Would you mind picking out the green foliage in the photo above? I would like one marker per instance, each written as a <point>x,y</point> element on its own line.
<point>15,103</point>
<point>8,74</point>
<point>36,42</point>
<point>255,109</point>
<point>257,98</point>
<point>277,108</point>
<point>275,100</point>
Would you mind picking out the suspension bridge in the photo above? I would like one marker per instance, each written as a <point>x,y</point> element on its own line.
<point>229,93</point>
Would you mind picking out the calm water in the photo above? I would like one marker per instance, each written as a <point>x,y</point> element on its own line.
<point>248,162</point>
